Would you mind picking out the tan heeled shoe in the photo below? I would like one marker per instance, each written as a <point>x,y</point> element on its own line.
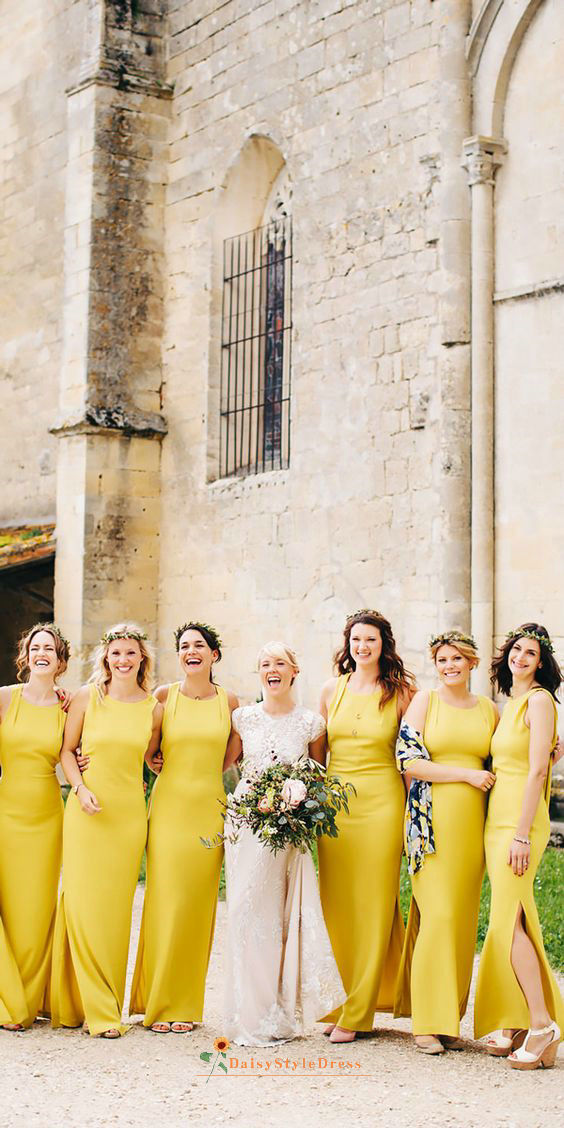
<point>428,1044</point>
<point>525,1059</point>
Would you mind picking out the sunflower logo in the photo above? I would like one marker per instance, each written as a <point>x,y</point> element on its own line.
<point>221,1045</point>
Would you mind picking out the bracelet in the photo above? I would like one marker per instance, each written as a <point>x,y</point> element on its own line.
<point>523,841</point>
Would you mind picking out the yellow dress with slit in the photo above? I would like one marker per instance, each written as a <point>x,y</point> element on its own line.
<point>500,1002</point>
<point>182,875</point>
<point>101,859</point>
<point>31,824</point>
<point>438,955</point>
<point>359,871</point>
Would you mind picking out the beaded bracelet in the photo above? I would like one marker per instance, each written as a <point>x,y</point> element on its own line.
<point>524,841</point>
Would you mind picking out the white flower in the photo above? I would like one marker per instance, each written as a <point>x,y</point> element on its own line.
<point>242,789</point>
<point>294,792</point>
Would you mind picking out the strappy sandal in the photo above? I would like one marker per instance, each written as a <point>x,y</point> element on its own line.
<point>113,1033</point>
<point>525,1059</point>
<point>13,1027</point>
<point>182,1027</point>
<point>431,1046</point>
<point>160,1028</point>
<point>499,1044</point>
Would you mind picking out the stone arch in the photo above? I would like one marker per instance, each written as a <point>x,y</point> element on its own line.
<point>248,189</point>
<point>493,44</point>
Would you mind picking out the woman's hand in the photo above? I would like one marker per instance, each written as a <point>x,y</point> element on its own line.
<point>484,781</point>
<point>519,856</point>
<point>65,698</point>
<point>558,751</point>
<point>87,800</point>
<point>155,762</point>
<point>82,761</point>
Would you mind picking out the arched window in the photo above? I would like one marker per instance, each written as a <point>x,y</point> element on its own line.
<point>256,319</point>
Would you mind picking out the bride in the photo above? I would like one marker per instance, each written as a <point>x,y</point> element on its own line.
<point>281,973</point>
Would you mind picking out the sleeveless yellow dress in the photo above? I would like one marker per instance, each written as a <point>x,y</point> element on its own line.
<point>500,1003</point>
<point>182,875</point>
<point>359,870</point>
<point>31,824</point>
<point>101,858</point>
<point>438,955</point>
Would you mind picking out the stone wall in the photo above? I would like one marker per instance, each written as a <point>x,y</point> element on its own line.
<point>349,94</point>
<point>529,318</point>
<point>39,43</point>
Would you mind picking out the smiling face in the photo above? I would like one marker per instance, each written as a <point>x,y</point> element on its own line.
<point>195,655</point>
<point>124,658</point>
<point>365,645</point>
<point>453,667</point>
<point>524,658</point>
<point>42,654</point>
<point>276,674</point>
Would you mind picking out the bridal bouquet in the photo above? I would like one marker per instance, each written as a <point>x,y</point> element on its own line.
<point>287,805</point>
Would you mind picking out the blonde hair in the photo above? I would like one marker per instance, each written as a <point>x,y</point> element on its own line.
<point>464,647</point>
<point>101,675</point>
<point>62,650</point>
<point>276,649</point>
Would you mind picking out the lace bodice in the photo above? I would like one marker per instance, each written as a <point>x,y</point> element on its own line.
<point>269,739</point>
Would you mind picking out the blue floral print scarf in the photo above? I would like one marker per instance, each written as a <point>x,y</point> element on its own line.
<point>419,837</point>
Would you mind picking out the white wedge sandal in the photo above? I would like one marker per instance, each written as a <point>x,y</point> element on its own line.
<point>524,1059</point>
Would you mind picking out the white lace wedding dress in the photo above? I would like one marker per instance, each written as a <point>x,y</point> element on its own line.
<point>281,974</point>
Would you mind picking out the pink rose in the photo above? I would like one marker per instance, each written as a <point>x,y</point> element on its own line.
<point>294,792</point>
<point>264,805</point>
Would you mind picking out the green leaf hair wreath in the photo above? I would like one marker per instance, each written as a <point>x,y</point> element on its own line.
<point>542,639</point>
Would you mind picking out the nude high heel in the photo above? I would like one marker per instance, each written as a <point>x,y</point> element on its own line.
<point>524,1059</point>
<point>499,1045</point>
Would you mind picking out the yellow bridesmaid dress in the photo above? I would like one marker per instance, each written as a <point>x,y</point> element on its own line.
<point>359,870</point>
<point>500,1003</point>
<point>101,858</point>
<point>31,823</point>
<point>438,955</point>
<point>182,875</point>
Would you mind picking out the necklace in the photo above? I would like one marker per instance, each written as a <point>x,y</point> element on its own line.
<point>362,710</point>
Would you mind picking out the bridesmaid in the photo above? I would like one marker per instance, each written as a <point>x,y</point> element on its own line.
<point>182,876</point>
<point>31,822</point>
<point>516,988</point>
<point>456,728</point>
<point>363,707</point>
<point>105,829</point>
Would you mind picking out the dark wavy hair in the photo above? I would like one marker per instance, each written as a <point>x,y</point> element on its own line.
<point>393,676</point>
<point>548,674</point>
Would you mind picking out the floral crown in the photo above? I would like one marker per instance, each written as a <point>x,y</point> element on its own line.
<point>53,629</point>
<point>194,626</point>
<point>451,638</point>
<point>364,611</point>
<point>542,639</point>
<point>112,636</point>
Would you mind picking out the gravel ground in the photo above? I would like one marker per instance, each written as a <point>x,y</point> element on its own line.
<point>64,1078</point>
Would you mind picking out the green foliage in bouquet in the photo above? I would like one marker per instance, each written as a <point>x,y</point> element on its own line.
<point>288,805</point>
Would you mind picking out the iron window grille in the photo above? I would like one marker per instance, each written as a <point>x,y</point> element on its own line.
<point>256,350</point>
